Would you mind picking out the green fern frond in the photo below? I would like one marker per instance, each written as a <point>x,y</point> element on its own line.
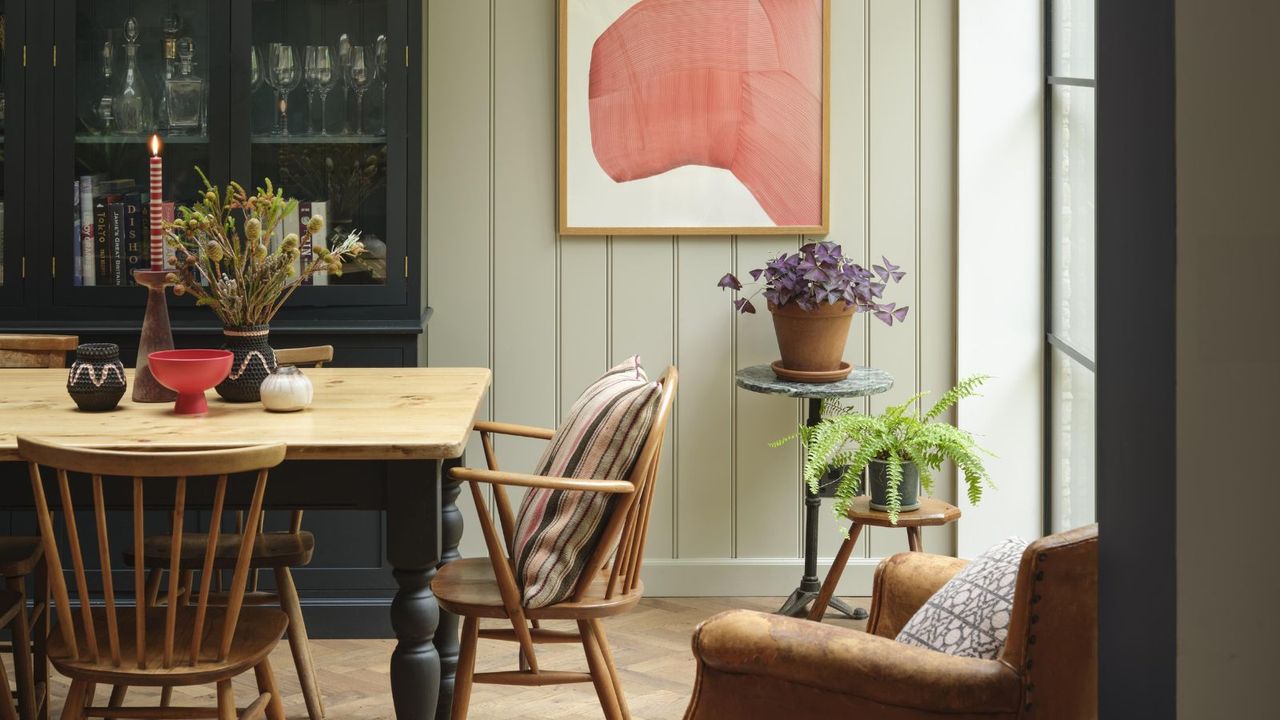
<point>966,388</point>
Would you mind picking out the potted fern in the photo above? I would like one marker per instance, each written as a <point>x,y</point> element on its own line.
<point>899,450</point>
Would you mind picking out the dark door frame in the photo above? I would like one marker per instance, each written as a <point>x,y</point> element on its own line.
<point>1136,297</point>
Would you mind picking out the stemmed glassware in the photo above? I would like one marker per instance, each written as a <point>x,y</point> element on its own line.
<point>359,77</point>
<point>320,78</point>
<point>255,70</point>
<point>344,75</point>
<point>380,59</point>
<point>284,75</point>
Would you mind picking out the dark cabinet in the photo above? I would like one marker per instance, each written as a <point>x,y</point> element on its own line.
<point>324,97</point>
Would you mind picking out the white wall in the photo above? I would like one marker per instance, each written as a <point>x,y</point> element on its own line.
<point>1228,356</point>
<point>548,313</point>
<point>1000,311</point>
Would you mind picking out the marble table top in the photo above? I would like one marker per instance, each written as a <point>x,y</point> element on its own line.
<point>861,382</point>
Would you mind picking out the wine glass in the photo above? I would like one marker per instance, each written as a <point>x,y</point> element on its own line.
<point>320,78</point>
<point>359,77</point>
<point>344,69</point>
<point>284,75</point>
<point>380,61</point>
<point>255,70</point>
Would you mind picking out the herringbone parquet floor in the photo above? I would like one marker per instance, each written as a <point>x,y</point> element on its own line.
<point>650,645</point>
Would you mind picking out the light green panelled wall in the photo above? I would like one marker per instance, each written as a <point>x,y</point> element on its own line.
<point>549,313</point>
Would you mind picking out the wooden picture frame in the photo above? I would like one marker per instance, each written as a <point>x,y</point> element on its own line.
<point>604,201</point>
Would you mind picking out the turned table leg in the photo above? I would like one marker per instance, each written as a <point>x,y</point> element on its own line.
<point>446,637</point>
<point>413,543</point>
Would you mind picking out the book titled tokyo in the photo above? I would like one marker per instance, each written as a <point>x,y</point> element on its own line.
<point>87,250</point>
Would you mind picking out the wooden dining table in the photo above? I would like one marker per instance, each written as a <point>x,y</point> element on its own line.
<point>373,439</point>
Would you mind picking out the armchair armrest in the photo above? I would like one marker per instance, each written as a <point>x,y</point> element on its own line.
<point>499,428</point>
<point>903,583</point>
<point>497,477</point>
<point>755,665</point>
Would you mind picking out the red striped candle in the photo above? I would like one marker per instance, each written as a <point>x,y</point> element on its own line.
<point>157,205</point>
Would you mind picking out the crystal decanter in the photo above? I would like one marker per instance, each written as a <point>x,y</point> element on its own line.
<point>184,93</point>
<point>132,105</point>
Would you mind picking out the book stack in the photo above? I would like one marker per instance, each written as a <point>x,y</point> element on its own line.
<point>296,222</point>
<point>112,231</point>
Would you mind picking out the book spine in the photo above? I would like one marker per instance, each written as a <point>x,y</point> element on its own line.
<point>77,260</point>
<point>320,240</point>
<point>306,252</point>
<point>88,255</point>
<point>134,248</point>
<point>115,226</point>
<point>101,242</point>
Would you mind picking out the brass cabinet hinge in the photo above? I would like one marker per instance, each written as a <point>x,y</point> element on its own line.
<point>406,267</point>
<point>53,267</point>
<point>24,267</point>
<point>24,56</point>
<point>406,56</point>
<point>55,56</point>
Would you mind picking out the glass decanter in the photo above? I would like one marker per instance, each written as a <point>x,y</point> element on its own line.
<point>97,113</point>
<point>171,25</point>
<point>132,104</point>
<point>184,93</point>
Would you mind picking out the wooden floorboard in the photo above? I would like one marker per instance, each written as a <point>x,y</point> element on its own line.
<point>651,646</point>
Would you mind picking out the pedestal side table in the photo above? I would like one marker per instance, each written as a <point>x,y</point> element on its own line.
<point>860,383</point>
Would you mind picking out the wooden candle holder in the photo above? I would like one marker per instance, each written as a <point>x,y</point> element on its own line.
<point>156,336</point>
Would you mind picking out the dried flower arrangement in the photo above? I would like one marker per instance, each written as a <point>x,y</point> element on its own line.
<point>238,275</point>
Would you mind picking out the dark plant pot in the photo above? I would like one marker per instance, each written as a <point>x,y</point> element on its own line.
<point>252,361</point>
<point>96,379</point>
<point>812,340</point>
<point>909,490</point>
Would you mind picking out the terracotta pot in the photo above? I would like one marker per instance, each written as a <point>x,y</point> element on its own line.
<point>812,340</point>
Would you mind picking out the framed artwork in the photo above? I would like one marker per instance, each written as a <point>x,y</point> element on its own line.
<point>694,117</point>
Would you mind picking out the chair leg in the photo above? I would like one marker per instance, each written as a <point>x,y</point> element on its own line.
<point>7,710</point>
<point>598,628</point>
<point>166,696</point>
<point>90,693</point>
<point>118,693</point>
<point>599,672</point>
<point>466,668</point>
<point>819,607</point>
<point>188,587</point>
<point>23,667</point>
<point>914,541</point>
<point>226,701</point>
<point>267,684</point>
<point>299,643</point>
<point>41,637</point>
<point>154,576</point>
<point>73,708</point>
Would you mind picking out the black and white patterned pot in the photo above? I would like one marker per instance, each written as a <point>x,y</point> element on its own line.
<point>252,361</point>
<point>96,380</point>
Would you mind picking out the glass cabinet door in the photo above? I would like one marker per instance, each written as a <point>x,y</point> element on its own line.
<point>12,250</point>
<point>131,70</point>
<point>324,82</point>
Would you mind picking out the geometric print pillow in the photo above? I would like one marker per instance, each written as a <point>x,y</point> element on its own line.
<point>969,616</point>
<point>558,530</point>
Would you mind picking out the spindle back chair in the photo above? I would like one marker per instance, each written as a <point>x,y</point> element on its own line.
<point>177,645</point>
<point>487,587</point>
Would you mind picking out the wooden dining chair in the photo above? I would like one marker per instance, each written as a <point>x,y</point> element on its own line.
<point>173,646</point>
<point>10,604</point>
<point>22,557</point>
<point>275,551</point>
<point>36,351</point>
<point>476,588</point>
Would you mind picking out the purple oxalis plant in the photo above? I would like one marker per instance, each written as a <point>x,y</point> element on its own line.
<point>820,274</point>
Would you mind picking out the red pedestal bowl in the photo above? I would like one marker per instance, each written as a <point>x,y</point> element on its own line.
<point>190,373</point>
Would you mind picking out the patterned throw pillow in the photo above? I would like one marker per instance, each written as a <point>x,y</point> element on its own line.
<point>557,530</point>
<point>969,616</point>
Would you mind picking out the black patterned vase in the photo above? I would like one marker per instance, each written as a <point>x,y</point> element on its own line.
<point>252,361</point>
<point>96,381</point>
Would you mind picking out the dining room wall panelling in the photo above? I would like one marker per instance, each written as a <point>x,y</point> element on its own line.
<point>549,313</point>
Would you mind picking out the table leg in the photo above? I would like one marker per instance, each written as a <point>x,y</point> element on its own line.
<point>798,603</point>
<point>446,640</point>
<point>413,547</point>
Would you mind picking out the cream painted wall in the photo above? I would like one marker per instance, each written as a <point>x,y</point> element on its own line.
<point>1228,349</point>
<point>549,313</point>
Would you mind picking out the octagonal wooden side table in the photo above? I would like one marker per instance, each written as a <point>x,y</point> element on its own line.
<point>932,512</point>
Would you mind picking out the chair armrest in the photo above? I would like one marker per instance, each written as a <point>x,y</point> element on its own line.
<point>528,431</point>
<point>798,667</point>
<point>902,585</point>
<point>498,477</point>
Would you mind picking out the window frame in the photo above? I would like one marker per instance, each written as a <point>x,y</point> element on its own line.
<point>1053,343</point>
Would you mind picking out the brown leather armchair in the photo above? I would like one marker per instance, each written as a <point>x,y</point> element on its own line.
<point>753,665</point>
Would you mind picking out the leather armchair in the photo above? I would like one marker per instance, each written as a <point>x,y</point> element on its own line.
<point>754,665</point>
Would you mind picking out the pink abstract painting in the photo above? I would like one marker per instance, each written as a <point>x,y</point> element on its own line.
<point>729,84</point>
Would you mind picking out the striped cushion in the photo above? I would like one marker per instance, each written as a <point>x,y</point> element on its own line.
<point>557,530</point>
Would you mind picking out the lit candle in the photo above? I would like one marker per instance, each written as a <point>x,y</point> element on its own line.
<point>157,205</point>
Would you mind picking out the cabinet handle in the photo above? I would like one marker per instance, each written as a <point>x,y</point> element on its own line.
<point>53,267</point>
<point>24,267</point>
<point>24,56</point>
<point>406,266</point>
<point>406,56</point>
